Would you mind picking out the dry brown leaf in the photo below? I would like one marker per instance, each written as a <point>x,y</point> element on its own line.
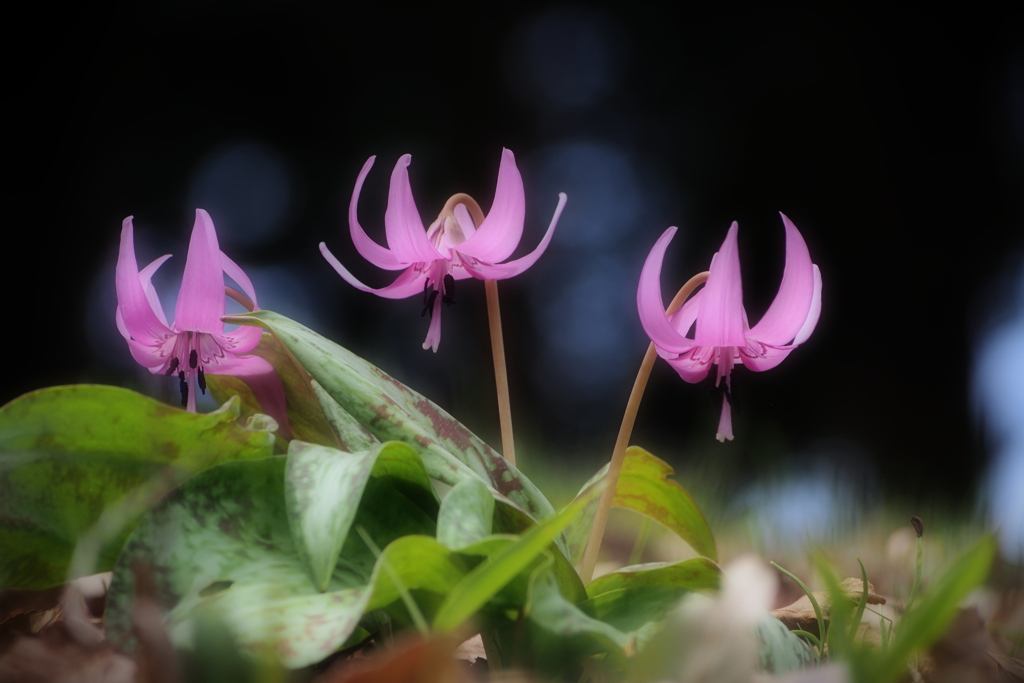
<point>800,614</point>
<point>57,655</point>
<point>15,602</point>
<point>963,654</point>
<point>1011,667</point>
<point>417,660</point>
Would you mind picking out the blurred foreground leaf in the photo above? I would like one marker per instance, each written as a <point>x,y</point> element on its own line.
<point>68,454</point>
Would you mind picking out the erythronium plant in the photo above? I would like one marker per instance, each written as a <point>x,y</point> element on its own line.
<point>722,337</point>
<point>456,246</point>
<point>195,344</point>
<point>385,513</point>
<point>461,243</point>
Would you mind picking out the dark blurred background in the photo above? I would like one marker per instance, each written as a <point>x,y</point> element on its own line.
<point>895,141</point>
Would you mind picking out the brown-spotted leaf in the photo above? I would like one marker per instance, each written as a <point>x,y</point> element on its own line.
<point>645,487</point>
<point>71,456</point>
<point>394,412</point>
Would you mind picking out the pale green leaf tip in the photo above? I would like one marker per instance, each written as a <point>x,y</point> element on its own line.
<point>260,423</point>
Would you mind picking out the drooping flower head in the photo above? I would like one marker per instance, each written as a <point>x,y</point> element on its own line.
<point>195,344</point>
<point>456,246</point>
<point>722,336</point>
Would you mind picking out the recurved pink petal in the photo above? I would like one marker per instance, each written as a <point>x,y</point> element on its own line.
<point>238,275</point>
<point>146,278</point>
<point>201,297</point>
<point>407,237</point>
<point>813,314</point>
<point>410,282</point>
<point>789,311</point>
<point>465,220</point>
<point>684,318</point>
<point>720,317</point>
<point>498,236</point>
<point>650,304</point>
<point>500,271</point>
<point>246,337</point>
<point>138,318</point>
<point>370,250</point>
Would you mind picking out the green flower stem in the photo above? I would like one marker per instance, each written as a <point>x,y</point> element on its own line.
<point>604,506</point>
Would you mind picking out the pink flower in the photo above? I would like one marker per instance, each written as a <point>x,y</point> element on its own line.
<point>452,248</point>
<point>722,336</point>
<point>195,344</point>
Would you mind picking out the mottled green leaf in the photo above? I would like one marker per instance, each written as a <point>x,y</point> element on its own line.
<point>465,515</point>
<point>644,487</point>
<point>352,435</point>
<point>69,454</point>
<point>220,546</point>
<point>393,411</point>
<point>323,487</point>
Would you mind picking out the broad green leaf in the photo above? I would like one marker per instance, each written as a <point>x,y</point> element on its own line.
<point>644,487</point>
<point>634,596</point>
<point>323,487</point>
<point>415,563</point>
<point>69,454</point>
<point>465,515</point>
<point>553,613</point>
<point>393,411</point>
<point>696,574</point>
<point>494,573</point>
<point>221,547</point>
<point>305,417</point>
<point>350,433</point>
<point>931,614</point>
<point>561,635</point>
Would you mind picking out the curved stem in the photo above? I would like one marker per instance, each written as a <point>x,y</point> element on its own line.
<point>604,506</point>
<point>240,298</point>
<point>508,447</point>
